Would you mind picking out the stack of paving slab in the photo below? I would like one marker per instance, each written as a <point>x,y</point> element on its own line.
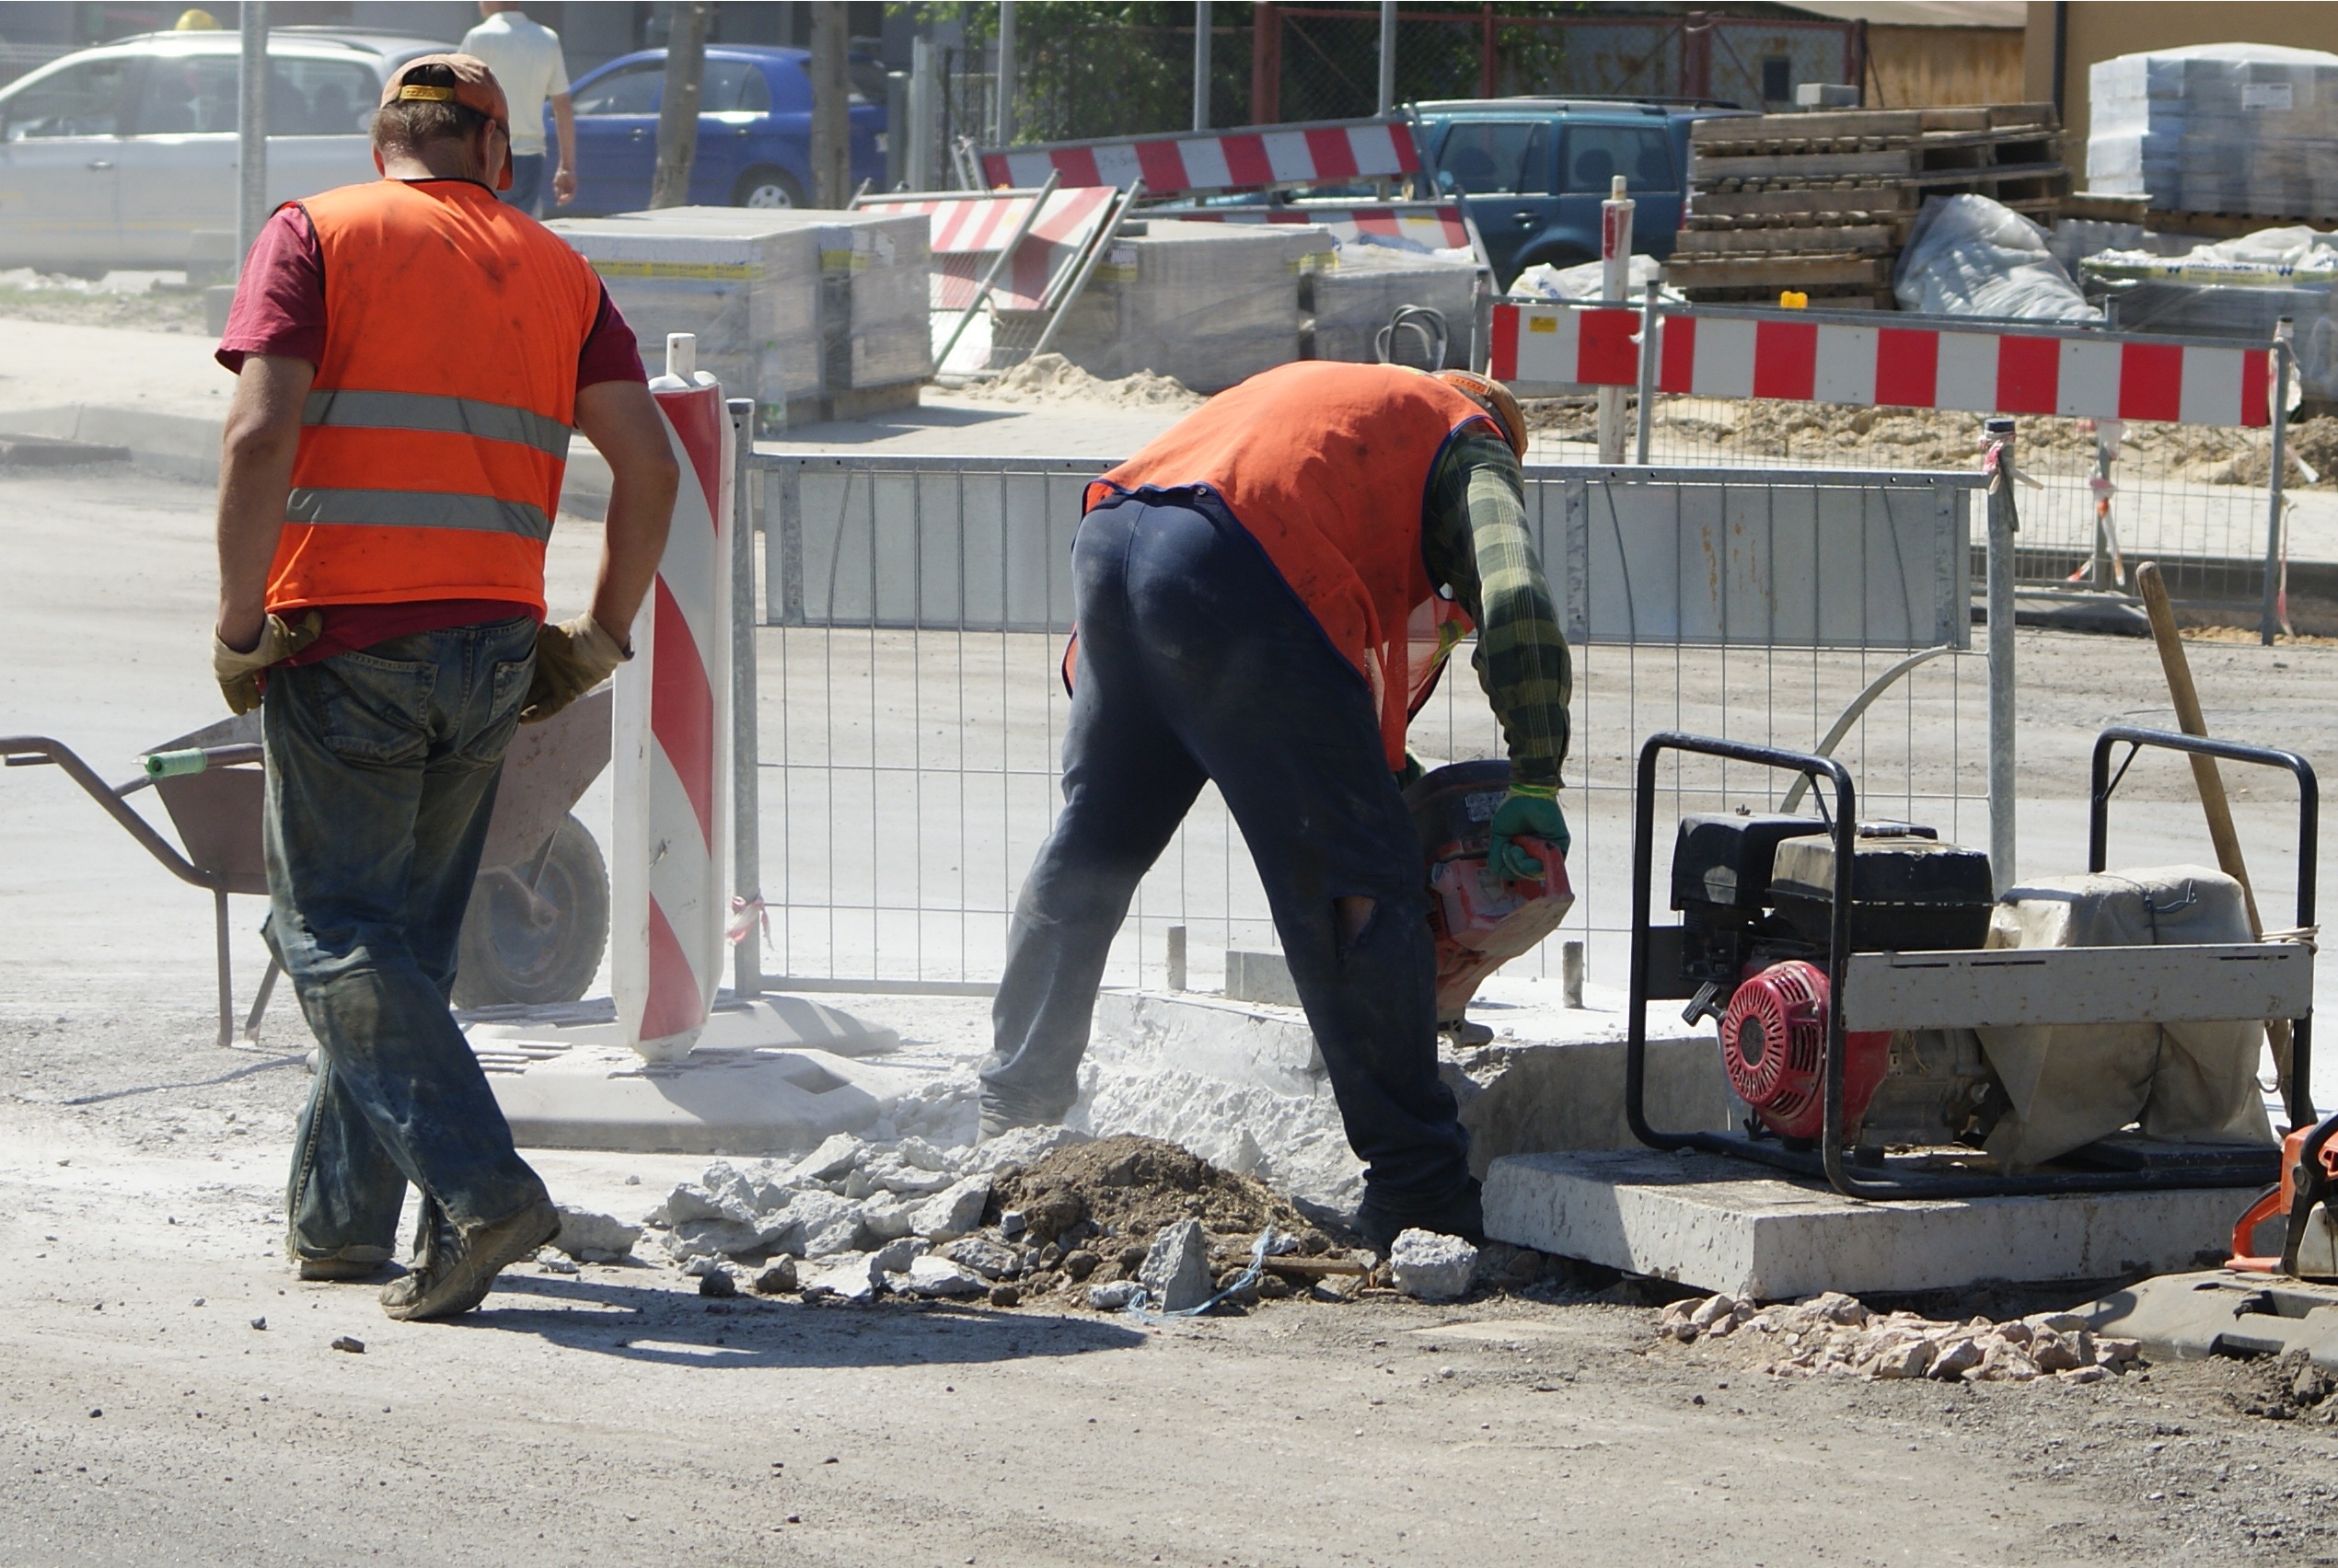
<point>1207,304</point>
<point>815,315</point>
<point>1350,305</point>
<point>2219,128</point>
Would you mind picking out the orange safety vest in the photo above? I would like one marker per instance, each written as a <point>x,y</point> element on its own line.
<point>436,429</point>
<point>1327,465</point>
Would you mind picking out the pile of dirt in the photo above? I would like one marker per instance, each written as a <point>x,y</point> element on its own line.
<point>1051,378</point>
<point>1128,1187</point>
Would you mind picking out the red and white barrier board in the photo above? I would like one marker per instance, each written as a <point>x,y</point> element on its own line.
<point>1559,344</point>
<point>1435,226</point>
<point>1320,154</point>
<point>671,776</point>
<point>968,229</point>
<point>1788,356</point>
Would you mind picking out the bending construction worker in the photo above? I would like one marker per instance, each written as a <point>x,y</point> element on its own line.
<point>1263,595</point>
<point>410,357</point>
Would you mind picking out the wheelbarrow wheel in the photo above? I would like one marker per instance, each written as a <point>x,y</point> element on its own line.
<point>539,945</point>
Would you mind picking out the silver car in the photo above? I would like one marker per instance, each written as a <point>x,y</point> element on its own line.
<point>125,156</point>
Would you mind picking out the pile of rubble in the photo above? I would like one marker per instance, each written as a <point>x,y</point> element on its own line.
<point>1039,1213</point>
<point>1835,1335</point>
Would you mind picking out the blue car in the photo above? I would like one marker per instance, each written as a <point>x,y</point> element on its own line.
<point>754,129</point>
<point>1532,172</point>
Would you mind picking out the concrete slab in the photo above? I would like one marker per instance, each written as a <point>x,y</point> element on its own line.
<point>1710,1222</point>
<point>766,1077</point>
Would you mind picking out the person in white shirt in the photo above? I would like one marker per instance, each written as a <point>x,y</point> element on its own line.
<point>526,57</point>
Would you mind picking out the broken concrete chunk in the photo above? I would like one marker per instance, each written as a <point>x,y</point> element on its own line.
<point>1431,1267</point>
<point>696,1238</point>
<point>897,1255</point>
<point>1112,1298</point>
<point>937,1277</point>
<point>837,1155</point>
<point>985,1257</point>
<point>846,1275</point>
<point>2057,1352</point>
<point>1712,1309</point>
<point>953,1211</point>
<point>776,1280</point>
<point>1174,1270</point>
<point>1955,1359</point>
<point>915,1151</point>
<point>887,1218</point>
<point>1910,1358</point>
<point>840,1235</point>
<point>717,1281</point>
<point>595,1238</point>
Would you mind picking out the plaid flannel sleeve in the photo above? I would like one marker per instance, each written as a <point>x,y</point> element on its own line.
<point>1474,540</point>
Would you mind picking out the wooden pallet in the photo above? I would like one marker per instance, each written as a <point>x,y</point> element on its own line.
<point>1773,272</point>
<point>2225,226</point>
<point>1822,203</point>
<point>2104,209</point>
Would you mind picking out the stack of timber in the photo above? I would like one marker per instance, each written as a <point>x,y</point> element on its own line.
<point>1822,203</point>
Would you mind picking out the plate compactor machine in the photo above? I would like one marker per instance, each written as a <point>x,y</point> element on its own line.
<point>1895,1026</point>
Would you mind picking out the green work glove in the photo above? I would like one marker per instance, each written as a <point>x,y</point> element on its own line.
<point>572,658</point>
<point>1528,810</point>
<point>238,673</point>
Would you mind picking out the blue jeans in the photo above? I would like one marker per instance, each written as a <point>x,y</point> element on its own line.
<point>1197,661</point>
<point>527,184</point>
<point>382,768</point>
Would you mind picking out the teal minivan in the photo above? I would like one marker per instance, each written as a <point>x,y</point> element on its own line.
<point>1533,171</point>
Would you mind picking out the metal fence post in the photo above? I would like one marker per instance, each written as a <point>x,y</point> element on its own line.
<point>252,129</point>
<point>2003,522</point>
<point>747,845</point>
<point>1647,373</point>
<point>782,521</point>
<point>2268,622</point>
<point>1201,41</point>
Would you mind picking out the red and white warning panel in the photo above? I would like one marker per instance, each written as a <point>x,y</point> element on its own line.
<point>968,227</point>
<point>1437,226</point>
<point>1565,344</point>
<point>2086,375</point>
<point>671,773</point>
<point>1789,356</point>
<point>1259,157</point>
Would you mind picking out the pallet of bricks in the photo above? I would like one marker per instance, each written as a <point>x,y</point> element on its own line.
<point>1821,204</point>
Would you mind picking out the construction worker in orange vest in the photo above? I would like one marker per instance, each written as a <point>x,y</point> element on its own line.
<point>411,355</point>
<point>1264,596</point>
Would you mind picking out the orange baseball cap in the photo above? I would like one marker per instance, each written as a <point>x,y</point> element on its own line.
<point>471,85</point>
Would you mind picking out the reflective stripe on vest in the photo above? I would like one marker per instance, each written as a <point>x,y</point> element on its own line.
<point>450,416</point>
<point>1327,465</point>
<point>435,436</point>
<point>419,509</point>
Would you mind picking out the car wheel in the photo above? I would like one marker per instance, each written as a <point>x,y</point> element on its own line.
<point>541,945</point>
<point>767,188</point>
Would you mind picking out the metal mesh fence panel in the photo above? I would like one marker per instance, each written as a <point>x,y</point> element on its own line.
<point>914,705</point>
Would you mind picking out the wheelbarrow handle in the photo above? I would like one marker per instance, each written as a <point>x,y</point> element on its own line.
<point>25,750</point>
<point>194,759</point>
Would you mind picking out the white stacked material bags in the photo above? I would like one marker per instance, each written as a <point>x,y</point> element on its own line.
<point>1207,304</point>
<point>2217,128</point>
<point>1971,256</point>
<point>751,294</point>
<point>788,305</point>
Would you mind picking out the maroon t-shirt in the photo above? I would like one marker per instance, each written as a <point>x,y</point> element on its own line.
<point>279,311</point>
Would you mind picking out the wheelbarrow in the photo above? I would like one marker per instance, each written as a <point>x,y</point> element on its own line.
<point>538,921</point>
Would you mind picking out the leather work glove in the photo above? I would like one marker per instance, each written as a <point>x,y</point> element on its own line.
<point>572,658</point>
<point>1528,810</point>
<point>238,674</point>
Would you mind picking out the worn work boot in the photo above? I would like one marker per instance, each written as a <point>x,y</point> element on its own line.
<point>348,1265</point>
<point>452,1272</point>
<point>1458,1215</point>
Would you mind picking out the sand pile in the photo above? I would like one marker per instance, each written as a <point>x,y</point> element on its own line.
<point>1051,378</point>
